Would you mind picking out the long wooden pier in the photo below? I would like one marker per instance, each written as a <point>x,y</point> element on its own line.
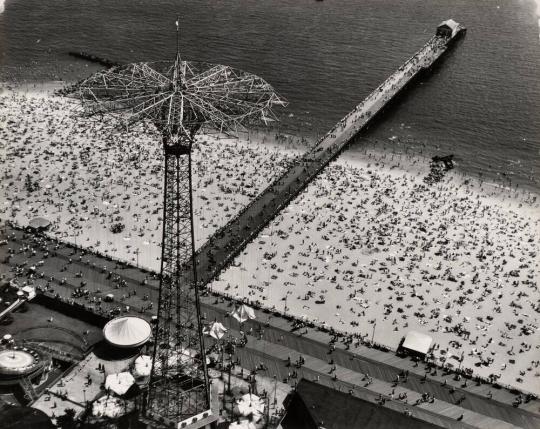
<point>231,239</point>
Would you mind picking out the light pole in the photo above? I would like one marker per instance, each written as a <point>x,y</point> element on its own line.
<point>275,392</point>
<point>137,254</point>
<point>223,395</point>
<point>222,347</point>
<point>286,296</point>
<point>373,334</point>
<point>229,368</point>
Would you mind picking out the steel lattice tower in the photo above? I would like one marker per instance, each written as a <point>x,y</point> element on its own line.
<point>179,382</point>
<point>179,98</point>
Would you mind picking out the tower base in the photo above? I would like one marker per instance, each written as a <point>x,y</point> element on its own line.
<point>202,420</point>
<point>206,419</point>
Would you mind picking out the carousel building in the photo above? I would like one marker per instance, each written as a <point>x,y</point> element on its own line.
<point>127,332</point>
<point>24,366</point>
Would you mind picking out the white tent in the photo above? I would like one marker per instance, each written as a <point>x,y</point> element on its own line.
<point>186,356</point>
<point>417,342</point>
<point>251,404</point>
<point>243,313</point>
<point>183,357</point>
<point>217,330</point>
<point>143,366</point>
<point>111,407</point>
<point>127,331</point>
<point>119,383</point>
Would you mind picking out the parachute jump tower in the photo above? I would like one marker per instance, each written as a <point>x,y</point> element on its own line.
<point>180,98</point>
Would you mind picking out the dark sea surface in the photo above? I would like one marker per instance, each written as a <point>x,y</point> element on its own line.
<point>482,103</point>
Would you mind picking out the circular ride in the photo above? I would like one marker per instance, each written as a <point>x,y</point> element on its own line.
<point>17,362</point>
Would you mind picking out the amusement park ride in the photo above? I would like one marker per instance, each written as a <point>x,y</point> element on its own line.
<point>179,98</point>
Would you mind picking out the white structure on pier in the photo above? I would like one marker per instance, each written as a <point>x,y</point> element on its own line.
<point>448,28</point>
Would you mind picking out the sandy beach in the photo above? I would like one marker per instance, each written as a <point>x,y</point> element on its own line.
<point>84,177</point>
<point>370,248</point>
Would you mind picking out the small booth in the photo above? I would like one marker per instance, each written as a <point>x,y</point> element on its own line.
<point>28,292</point>
<point>448,28</point>
<point>39,224</point>
<point>416,344</point>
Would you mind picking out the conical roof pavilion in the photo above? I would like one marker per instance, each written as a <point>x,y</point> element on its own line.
<point>127,331</point>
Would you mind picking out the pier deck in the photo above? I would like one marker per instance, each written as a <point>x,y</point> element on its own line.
<point>231,239</point>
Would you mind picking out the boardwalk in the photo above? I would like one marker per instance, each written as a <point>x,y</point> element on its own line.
<point>277,341</point>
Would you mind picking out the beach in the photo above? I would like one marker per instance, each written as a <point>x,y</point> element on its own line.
<point>371,248</point>
<point>85,177</point>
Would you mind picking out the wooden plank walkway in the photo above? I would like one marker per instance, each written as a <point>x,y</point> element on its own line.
<point>444,414</point>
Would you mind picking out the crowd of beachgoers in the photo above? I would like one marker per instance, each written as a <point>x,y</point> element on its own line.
<point>89,180</point>
<point>368,248</point>
<point>371,248</point>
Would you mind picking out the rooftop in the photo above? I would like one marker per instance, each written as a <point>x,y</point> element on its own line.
<point>316,406</point>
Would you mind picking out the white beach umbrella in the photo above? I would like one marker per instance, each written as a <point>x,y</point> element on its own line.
<point>119,383</point>
<point>243,313</point>
<point>111,407</point>
<point>217,330</point>
<point>184,356</point>
<point>143,366</point>
<point>171,360</point>
<point>251,404</point>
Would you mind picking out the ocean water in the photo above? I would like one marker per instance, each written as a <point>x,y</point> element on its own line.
<point>482,103</point>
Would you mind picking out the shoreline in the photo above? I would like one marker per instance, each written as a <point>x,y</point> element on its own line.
<point>413,159</point>
<point>494,178</point>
